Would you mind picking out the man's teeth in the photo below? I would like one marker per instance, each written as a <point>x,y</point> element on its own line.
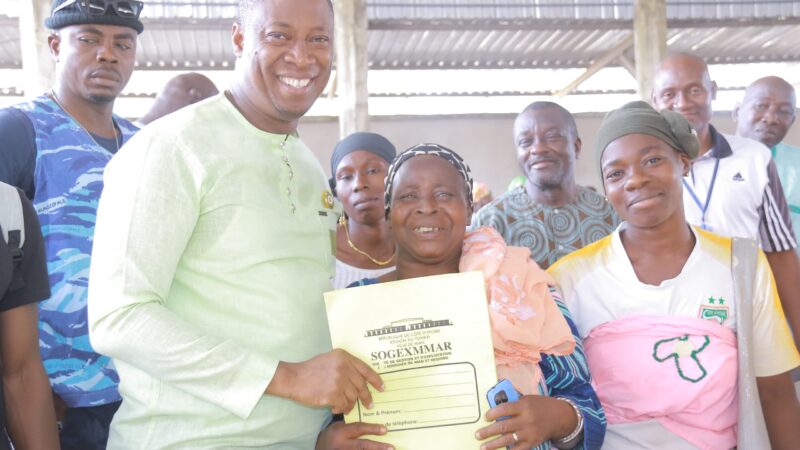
<point>296,83</point>
<point>426,229</point>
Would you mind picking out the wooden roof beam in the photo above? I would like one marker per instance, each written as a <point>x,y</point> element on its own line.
<point>600,63</point>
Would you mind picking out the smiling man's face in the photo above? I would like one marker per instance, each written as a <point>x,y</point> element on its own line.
<point>547,146</point>
<point>286,51</point>
<point>682,84</point>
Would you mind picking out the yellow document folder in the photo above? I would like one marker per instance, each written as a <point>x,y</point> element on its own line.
<point>429,339</point>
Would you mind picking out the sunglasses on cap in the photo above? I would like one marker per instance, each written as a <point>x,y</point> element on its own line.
<point>123,8</point>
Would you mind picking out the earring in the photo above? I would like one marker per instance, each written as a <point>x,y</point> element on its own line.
<point>343,220</point>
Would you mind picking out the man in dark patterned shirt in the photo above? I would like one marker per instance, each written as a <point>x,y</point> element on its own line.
<point>550,213</point>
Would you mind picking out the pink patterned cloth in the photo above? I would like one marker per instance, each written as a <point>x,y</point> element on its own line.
<point>525,319</point>
<point>680,371</point>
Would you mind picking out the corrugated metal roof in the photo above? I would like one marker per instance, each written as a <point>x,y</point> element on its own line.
<point>507,48</point>
<point>472,34</point>
<point>573,9</point>
<point>205,45</point>
<point>10,55</point>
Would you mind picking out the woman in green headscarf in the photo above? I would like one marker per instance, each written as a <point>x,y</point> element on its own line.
<point>655,305</point>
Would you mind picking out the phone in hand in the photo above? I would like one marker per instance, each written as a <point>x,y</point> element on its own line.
<point>502,392</point>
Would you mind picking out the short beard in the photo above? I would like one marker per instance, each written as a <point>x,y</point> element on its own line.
<point>102,99</point>
<point>768,141</point>
<point>548,182</point>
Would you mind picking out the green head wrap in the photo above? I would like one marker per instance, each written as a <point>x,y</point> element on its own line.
<point>640,118</point>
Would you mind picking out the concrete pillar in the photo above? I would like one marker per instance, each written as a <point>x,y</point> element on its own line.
<point>351,65</point>
<point>37,63</point>
<point>650,41</point>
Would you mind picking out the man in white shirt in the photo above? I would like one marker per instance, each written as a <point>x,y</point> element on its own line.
<point>733,187</point>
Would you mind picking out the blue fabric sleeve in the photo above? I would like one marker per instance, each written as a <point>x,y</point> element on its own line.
<point>568,377</point>
<point>17,150</point>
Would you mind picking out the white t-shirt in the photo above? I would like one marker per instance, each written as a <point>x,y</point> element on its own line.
<point>747,200</point>
<point>599,285</point>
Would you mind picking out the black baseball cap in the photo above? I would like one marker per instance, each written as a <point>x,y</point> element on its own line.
<point>102,12</point>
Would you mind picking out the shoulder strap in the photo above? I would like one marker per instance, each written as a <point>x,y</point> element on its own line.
<point>752,430</point>
<point>12,220</point>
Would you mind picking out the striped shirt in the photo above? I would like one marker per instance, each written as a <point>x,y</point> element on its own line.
<point>746,200</point>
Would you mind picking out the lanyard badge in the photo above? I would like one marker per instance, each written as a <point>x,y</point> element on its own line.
<point>703,207</point>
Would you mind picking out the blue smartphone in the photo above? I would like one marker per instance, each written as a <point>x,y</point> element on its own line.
<point>500,393</point>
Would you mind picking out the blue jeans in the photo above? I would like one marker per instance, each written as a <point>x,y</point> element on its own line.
<point>87,428</point>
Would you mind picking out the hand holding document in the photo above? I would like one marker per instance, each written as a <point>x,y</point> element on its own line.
<point>430,341</point>
<point>329,379</point>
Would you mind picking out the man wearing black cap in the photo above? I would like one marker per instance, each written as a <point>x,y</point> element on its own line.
<point>55,148</point>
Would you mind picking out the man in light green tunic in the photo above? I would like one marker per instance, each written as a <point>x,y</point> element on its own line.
<point>214,244</point>
<point>766,113</point>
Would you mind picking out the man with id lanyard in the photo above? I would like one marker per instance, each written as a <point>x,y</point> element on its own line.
<point>733,187</point>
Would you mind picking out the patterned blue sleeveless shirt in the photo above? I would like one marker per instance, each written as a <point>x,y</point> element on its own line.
<point>69,179</point>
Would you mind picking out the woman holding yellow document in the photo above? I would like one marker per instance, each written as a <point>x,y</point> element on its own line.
<point>428,205</point>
